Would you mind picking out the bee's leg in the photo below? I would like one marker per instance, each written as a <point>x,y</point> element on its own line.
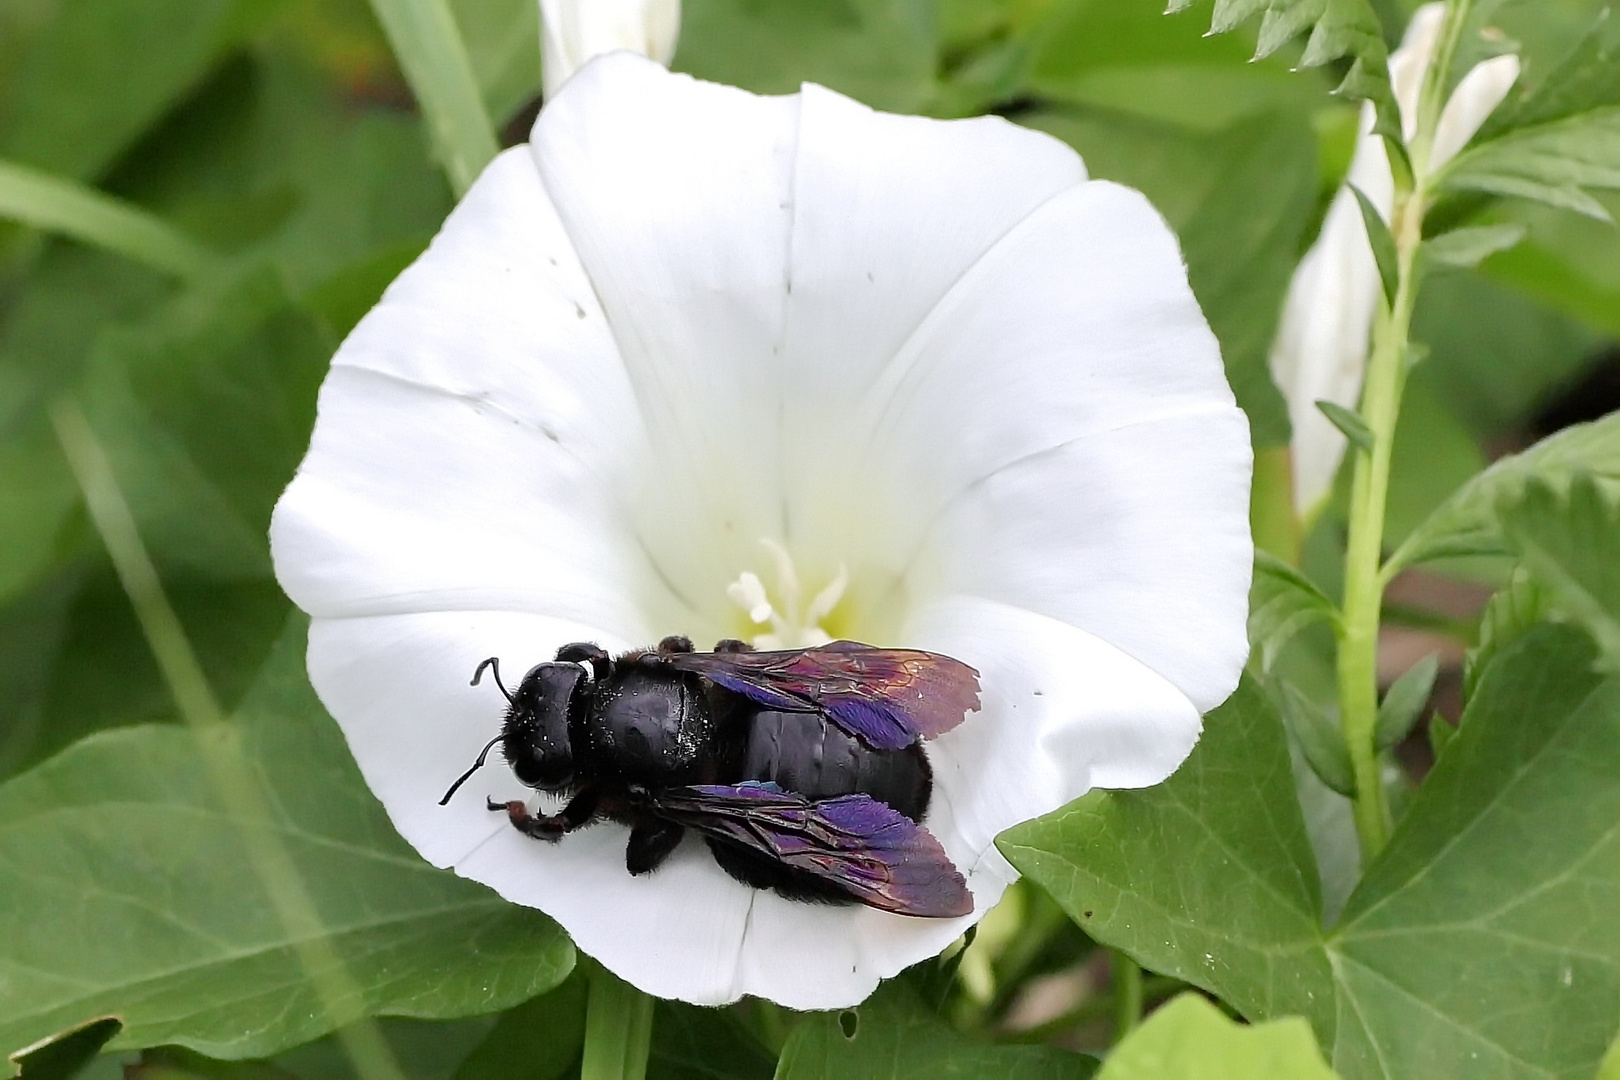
<point>585,652</point>
<point>651,841</point>
<point>732,644</point>
<point>675,643</point>
<point>579,811</point>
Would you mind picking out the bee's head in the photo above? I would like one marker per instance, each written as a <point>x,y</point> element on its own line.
<point>534,739</point>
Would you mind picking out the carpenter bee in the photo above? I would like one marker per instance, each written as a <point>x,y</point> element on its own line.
<point>802,769</point>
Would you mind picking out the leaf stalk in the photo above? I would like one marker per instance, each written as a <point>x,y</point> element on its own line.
<point>618,1029</point>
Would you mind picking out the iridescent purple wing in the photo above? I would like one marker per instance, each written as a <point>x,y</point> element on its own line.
<point>876,855</point>
<point>887,698</point>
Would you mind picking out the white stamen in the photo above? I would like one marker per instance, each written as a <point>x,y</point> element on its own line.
<point>790,626</point>
<point>748,593</point>
<point>827,598</point>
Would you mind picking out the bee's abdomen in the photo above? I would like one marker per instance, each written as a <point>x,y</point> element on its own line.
<point>803,752</point>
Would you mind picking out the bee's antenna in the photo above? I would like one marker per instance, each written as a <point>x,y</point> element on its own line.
<point>479,764</point>
<point>494,665</point>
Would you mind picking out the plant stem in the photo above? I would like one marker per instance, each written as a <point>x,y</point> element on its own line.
<point>618,1029</point>
<point>1380,409</point>
<point>1127,979</point>
<point>1363,584</point>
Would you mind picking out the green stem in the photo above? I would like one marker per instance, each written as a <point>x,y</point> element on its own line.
<point>1381,407</point>
<point>1363,584</point>
<point>1127,979</point>
<point>618,1029</point>
<point>1432,97</point>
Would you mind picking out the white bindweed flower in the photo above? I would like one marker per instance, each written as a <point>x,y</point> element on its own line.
<point>1321,349</point>
<point>573,32</point>
<point>783,368</point>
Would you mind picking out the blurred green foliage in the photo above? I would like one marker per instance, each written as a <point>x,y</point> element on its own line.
<point>280,136</point>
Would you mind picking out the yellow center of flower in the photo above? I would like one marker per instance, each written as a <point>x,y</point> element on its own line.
<point>791,623</point>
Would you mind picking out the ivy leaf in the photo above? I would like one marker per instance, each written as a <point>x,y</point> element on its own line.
<point>1282,602</point>
<point>1473,946</point>
<point>1190,1039</point>
<point>1404,701</point>
<point>141,899</point>
<point>1467,522</point>
<point>1337,28</point>
<point>1570,544</point>
<point>893,1037</point>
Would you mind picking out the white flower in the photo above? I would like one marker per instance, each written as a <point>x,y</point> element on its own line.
<point>574,32</point>
<point>1321,349</point>
<point>696,361</point>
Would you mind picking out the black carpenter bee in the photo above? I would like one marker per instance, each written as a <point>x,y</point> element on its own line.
<point>802,769</point>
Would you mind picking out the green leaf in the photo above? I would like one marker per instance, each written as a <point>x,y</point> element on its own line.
<point>1610,1069</point>
<point>1337,28</point>
<point>427,43</point>
<point>1349,423</point>
<point>1320,739</point>
<point>882,52</point>
<point>95,74</point>
<point>1282,602</point>
<point>1128,58</point>
<point>65,1055</point>
<point>1570,544</point>
<point>1587,78</point>
<point>1240,243</point>
<point>1239,200</point>
<point>1551,163</point>
<point>1496,355</point>
<point>692,1043</point>
<point>141,901</point>
<point>1404,701</point>
<point>1383,245</point>
<point>1208,877</point>
<point>1475,936</point>
<point>1466,248</point>
<point>544,1034</point>
<point>1190,1039</point>
<point>1478,942</point>
<point>892,1037</point>
<point>502,38</point>
<point>1441,734</point>
<point>1434,454</point>
<point>51,203</point>
<point>1467,523</point>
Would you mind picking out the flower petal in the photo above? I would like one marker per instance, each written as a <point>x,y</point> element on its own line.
<point>678,197</point>
<point>1471,104</point>
<point>1064,711</point>
<point>470,434</point>
<point>1321,348</point>
<point>889,213</point>
<point>1078,321</point>
<point>574,31</point>
<point>1139,536</point>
